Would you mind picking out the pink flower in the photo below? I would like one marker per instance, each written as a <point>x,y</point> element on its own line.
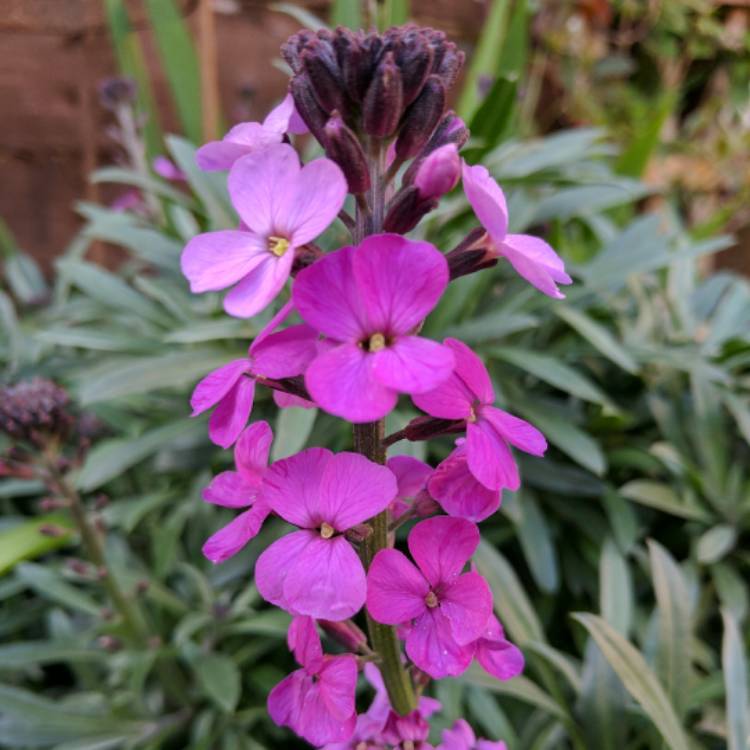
<point>458,491</point>
<point>468,395</point>
<point>317,701</point>
<point>315,571</point>
<point>166,168</point>
<point>369,301</point>
<point>411,475</point>
<point>250,137</point>
<point>532,258</point>
<point>242,488</point>
<point>282,207</point>
<point>448,610</point>
<point>497,655</point>
<point>231,387</point>
<point>461,737</point>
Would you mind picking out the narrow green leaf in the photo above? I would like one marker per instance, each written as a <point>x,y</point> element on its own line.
<point>648,127</point>
<point>637,677</point>
<point>346,13</point>
<point>560,661</point>
<point>715,543</point>
<point>25,541</point>
<point>25,278</point>
<point>220,679</point>
<point>734,664</point>
<point>25,654</point>
<point>662,497</point>
<point>538,546</point>
<point>51,585</point>
<point>615,588</point>
<point>293,427</point>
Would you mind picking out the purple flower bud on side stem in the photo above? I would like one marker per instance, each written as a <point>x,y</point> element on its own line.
<point>346,633</point>
<point>451,129</point>
<point>406,209</point>
<point>319,62</point>
<point>421,118</point>
<point>343,146</point>
<point>439,172</point>
<point>384,102</point>
<point>474,253</point>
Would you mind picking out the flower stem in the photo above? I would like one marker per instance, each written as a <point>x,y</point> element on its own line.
<point>368,440</point>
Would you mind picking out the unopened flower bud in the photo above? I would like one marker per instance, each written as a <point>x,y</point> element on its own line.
<point>439,172</point>
<point>406,209</point>
<point>52,530</point>
<point>424,506</point>
<point>346,633</point>
<point>319,62</point>
<point>421,118</point>
<point>142,586</point>
<point>448,63</point>
<point>424,428</point>
<point>343,146</point>
<point>116,91</point>
<point>415,58</point>
<point>305,256</point>
<point>359,533</point>
<point>474,253</point>
<point>109,643</point>
<point>384,102</point>
<point>48,504</point>
<point>451,129</point>
<point>307,106</point>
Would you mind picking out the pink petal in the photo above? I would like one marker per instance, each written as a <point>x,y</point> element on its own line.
<point>251,452</point>
<point>338,681</point>
<point>216,260</point>
<point>441,547</point>
<point>325,580</point>
<point>472,371</point>
<point>396,590</point>
<point>400,281</point>
<point>284,312</point>
<point>490,459</point>
<point>287,400</point>
<point>341,382</point>
<point>304,643</point>
<point>263,187</point>
<point>259,287</point>
<point>411,475</point>
<point>230,539</point>
<point>320,192</point>
<point>326,298</point>
<point>284,118</point>
<point>292,486</point>
<point>450,400</point>
<point>459,737</point>
<point>231,415</point>
<point>515,431</point>
<point>487,200</point>
<point>458,491</point>
<point>285,699</point>
<point>231,490</point>
<point>286,353</point>
<point>217,384</point>
<point>431,646</point>
<point>215,156</point>
<point>354,489</point>
<point>467,603</point>
<point>530,258</point>
<point>501,659</point>
<point>490,745</point>
<point>412,364</point>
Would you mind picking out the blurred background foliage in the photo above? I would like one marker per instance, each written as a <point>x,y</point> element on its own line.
<point>619,131</point>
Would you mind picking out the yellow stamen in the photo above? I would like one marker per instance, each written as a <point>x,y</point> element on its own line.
<point>472,415</point>
<point>278,245</point>
<point>431,600</point>
<point>376,342</point>
<point>326,530</point>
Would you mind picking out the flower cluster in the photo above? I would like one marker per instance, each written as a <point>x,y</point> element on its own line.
<point>376,104</point>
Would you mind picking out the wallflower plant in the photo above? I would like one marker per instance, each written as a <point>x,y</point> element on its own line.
<point>376,104</point>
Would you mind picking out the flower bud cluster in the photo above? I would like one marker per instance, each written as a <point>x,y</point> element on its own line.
<point>33,409</point>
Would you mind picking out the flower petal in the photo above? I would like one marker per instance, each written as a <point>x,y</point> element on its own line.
<point>231,415</point>
<point>396,590</point>
<point>515,431</point>
<point>340,381</point>
<point>217,384</point>
<point>230,539</point>
<point>285,699</point>
<point>286,353</point>
<point>467,603</point>
<point>292,486</point>
<point>490,459</point>
<point>400,281</point>
<point>326,580</point>
<point>251,452</point>
<point>322,719</point>
<point>216,260</point>
<point>304,643</point>
<point>354,489</point>
<point>500,658</point>
<point>411,474</point>
<point>431,646</point>
<point>231,490</point>
<point>412,364</point>
<point>441,546</point>
<point>287,400</point>
<point>259,287</point>
<point>215,156</point>
<point>459,737</point>
<point>487,199</point>
<point>338,681</point>
<point>284,118</point>
<point>472,371</point>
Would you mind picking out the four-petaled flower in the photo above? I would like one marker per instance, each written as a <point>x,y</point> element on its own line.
<point>532,258</point>
<point>317,701</point>
<point>282,206</point>
<point>446,608</point>
<point>315,571</point>
<point>369,302</point>
<point>468,394</point>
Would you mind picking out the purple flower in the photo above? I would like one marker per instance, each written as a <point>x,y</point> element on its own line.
<point>369,301</point>
<point>282,207</point>
<point>242,488</point>
<point>448,610</point>
<point>231,387</point>
<point>461,737</point>
<point>532,258</point>
<point>250,137</point>
<point>468,395</point>
<point>412,476</point>
<point>458,491</point>
<point>166,168</point>
<point>439,172</point>
<point>317,701</point>
<point>315,571</point>
<point>497,655</point>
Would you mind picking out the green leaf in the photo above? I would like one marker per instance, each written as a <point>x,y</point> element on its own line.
<point>493,326</point>
<point>734,664</point>
<point>538,546</point>
<point>715,543</point>
<point>301,15</point>
<point>559,660</point>
<point>346,13</point>
<point>662,497</point>
<point>637,677</point>
<point>219,677</point>
<point>395,13</point>
<point>25,541</point>
<point>586,200</point>
<point>648,127</point>
<point>25,278</point>
<point>51,585</point>
<point>675,616</point>
<point>293,427</point>
<point>95,339</point>
<point>124,176</point>
<point>615,588</point>
<point>26,654</point>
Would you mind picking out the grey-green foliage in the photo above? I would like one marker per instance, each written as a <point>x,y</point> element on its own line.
<point>633,521</point>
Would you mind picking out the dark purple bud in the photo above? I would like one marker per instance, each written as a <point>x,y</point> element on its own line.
<point>451,129</point>
<point>424,505</point>
<point>439,172</point>
<point>109,642</point>
<point>308,108</point>
<point>406,209</point>
<point>292,49</point>
<point>116,91</point>
<point>421,119</point>
<point>346,633</point>
<point>304,256</point>
<point>474,253</point>
<point>359,533</point>
<point>383,105</point>
<point>415,60</point>
<point>343,146</point>
<point>425,428</point>
<point>450,65</point>
<point>53,530</point>
<point>319,62</point>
